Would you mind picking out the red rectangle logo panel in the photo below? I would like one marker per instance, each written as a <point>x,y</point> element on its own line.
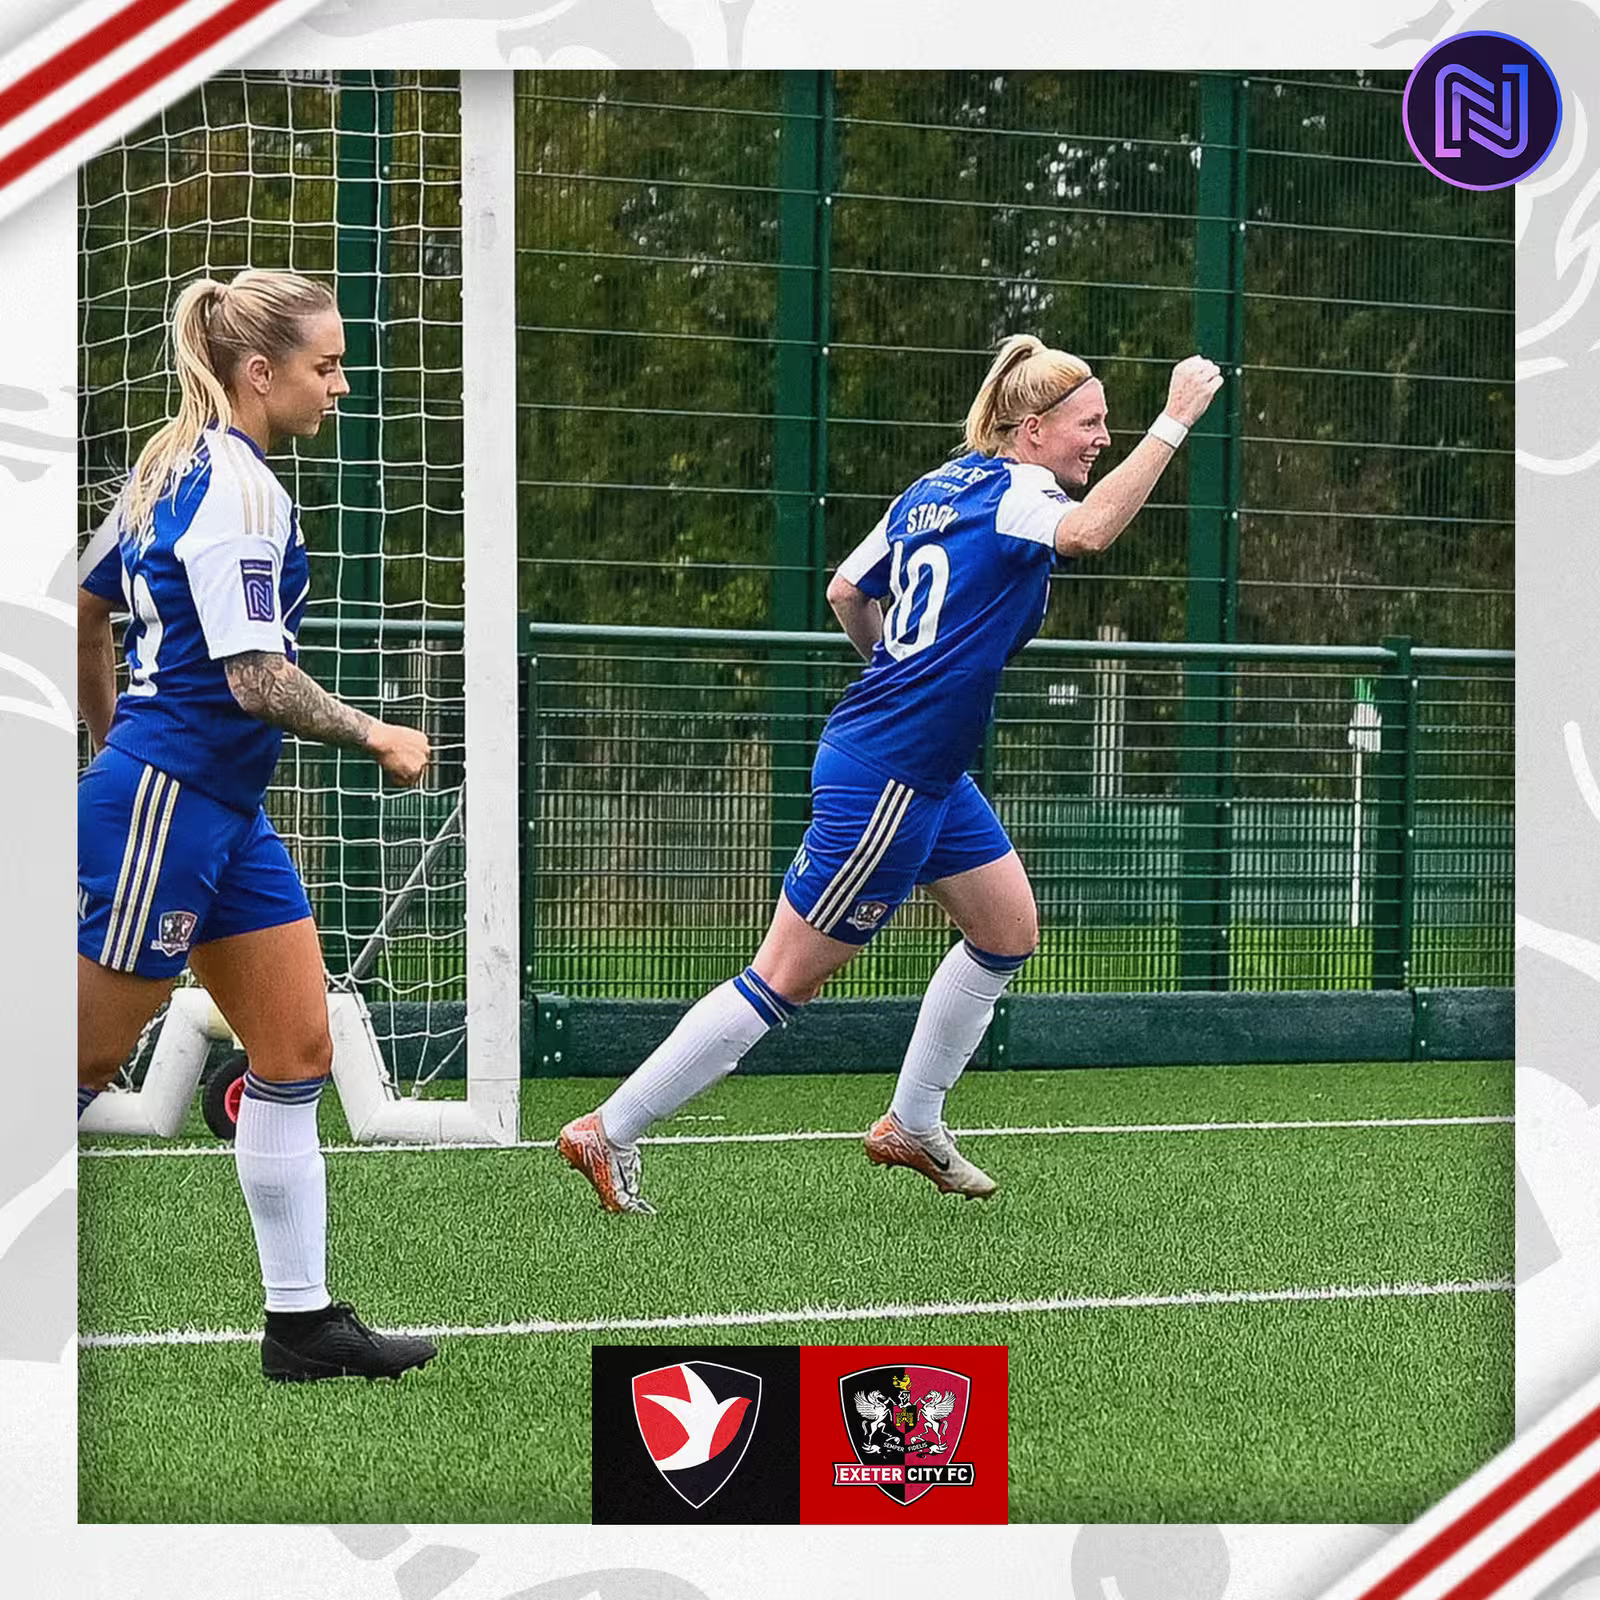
<point>903,1433</point>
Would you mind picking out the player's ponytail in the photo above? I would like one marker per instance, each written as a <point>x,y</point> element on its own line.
<point>214,327</point>
<point>1025,378</point>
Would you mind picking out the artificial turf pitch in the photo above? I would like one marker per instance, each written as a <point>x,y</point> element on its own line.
<point>1362,1409</point>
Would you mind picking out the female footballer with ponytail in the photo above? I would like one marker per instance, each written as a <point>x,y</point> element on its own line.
<point>177,862</point>
<point>951,583</point>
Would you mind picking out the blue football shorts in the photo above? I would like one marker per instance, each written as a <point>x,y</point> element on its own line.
<point>872,840</point>
<point>162,868</point>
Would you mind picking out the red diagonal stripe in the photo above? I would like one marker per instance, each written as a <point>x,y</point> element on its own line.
<point>81,54</point>
<point>163,64</point>
<point>1531,1543</point>
<point>1490,1509</point>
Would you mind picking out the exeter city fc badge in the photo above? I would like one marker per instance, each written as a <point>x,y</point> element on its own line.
<point>174,930</point>
<point>696,1419</point>
<point>904,1424</point>
<point>868,914</point>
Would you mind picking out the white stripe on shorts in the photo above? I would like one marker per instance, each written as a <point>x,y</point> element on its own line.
<point>129,854</point>
<point>830,892</point>
<point>852,877</point>
<point>167,801</point>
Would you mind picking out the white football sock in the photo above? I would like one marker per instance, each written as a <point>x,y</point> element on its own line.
<point>955,1011</point>
<point>285,1186</point>
<point>706,1045</point>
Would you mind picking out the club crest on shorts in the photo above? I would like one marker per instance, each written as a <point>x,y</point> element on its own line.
<point>867,914</point>
<point>696,1419</point>
<point>904,1424</point>
<point>174,930</point>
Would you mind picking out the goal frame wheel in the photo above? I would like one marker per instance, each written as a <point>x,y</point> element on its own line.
<point>219,1101</point>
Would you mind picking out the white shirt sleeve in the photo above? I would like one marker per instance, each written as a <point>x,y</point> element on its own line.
<point>100,565</point>
<point>234,561</point>
<point>867,566</point>
<point>1032,506</point>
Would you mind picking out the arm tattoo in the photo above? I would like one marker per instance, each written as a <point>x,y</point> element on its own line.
<point>271,688</point>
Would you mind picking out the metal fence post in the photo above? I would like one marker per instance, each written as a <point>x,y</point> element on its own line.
<point>530,808</point>
<point>800,387</point>
<point>1394,863</point>
<point>800,397</point>
<point>365,117</point>
<point>1214,461</point>
<point>1215,453</point>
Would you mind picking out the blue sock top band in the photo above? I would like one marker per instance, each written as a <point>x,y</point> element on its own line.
<point>302,1091</point>
<point>769,1005</point>
<point>986,958</point>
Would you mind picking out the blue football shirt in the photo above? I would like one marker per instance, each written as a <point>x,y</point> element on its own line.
<point>220,568</point>
<point>963,557</point>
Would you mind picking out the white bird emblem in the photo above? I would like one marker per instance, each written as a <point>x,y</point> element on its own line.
<point>699,1416</point>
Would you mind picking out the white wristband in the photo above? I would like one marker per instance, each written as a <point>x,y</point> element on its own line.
<point>1168,430</point>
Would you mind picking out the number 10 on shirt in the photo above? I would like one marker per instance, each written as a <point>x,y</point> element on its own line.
<point>900,638</point>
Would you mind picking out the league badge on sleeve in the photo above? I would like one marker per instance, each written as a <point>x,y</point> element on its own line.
<point>256,576</point>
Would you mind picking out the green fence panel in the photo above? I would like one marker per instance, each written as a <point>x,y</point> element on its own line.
<point>693,352</point>
<point>658,812</point>
<point>1377,391</point>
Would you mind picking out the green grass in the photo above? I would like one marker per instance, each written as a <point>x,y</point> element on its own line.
<point>1362,1410</point>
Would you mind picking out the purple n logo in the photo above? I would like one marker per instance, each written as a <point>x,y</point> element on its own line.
<point>1459,89</point>
<point>1481,110</point>
<point>256,576</point>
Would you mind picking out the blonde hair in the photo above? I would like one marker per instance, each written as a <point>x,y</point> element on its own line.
<point>214,327</point>
<point>1025,378</point>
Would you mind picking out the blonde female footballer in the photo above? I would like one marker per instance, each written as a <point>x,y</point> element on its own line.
<point>938,597</point>
<point>177,862</point>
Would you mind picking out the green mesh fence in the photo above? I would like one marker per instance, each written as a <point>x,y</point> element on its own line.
<point>753,306</point>
<point>1377,403</point>
<point>1362,836</point>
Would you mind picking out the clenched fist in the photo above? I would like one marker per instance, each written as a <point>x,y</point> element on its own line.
<point>402,752</point>
<point>1194,382</point>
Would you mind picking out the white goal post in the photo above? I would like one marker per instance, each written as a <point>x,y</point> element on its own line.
<point>374,1107</point>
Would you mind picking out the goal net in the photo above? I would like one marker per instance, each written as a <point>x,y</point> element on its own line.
<point>354,179</point>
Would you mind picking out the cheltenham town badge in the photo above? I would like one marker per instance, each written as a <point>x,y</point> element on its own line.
<point>904,1424</point>
<point>696,1420</point>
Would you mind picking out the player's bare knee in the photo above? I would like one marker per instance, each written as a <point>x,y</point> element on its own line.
<point>797,989</point>
<point>319,1059</point>
<point>1016,940</point>
<point>296,1060</point>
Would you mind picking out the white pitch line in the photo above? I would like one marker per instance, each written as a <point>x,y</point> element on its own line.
<point>807,1136</point>
<point>880,1313</point>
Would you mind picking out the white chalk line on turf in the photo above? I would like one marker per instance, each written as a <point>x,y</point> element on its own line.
<point>879,1313</point>
<point>808,1136</point>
